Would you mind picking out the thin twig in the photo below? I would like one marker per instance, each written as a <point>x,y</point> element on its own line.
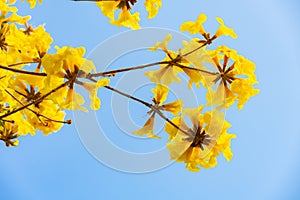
<point>148,105</point>
<point>107,73</point>
<point>129,96</point>
<point>196,69</point>
<point>172,61</point>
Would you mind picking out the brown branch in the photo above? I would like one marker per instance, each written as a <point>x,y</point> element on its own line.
<point>195,69</point>
<point>129,96</point>
<point>156,110</point>
<point>207,42</point>
<point>108,73</point>
<point>23,71</point>
<point>172,61</point>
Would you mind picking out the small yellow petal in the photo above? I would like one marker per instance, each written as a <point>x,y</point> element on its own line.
<point>152,7</point>
<point>194,27</point>
<point>160,93</point>
<point>224,30</point>
<point>147,129</point>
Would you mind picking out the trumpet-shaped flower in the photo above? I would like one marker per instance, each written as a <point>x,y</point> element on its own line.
<point>197,27</point>
<point>125,18</point>
<point>152,7</point>
<point>32,3</point>
<point>224,30</point>
<point>194,27</point>
<point>200,145</point>
<point>235,77</point>
<point>167,72</point>
<point>8,133</point>
<point>68,63</point>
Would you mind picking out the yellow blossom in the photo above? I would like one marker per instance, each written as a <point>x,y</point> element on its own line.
<point>128,20</point>
<point>147,129</point>
<point>200,145</point>
<point>152,7</point>
<point>125,18</point>
<point>49,123</point>
<point>32,3</point>
<point>74,101</point>
<point>224,30</point>
<point>167,72</point>
<point>5,8</point>
<point>8,133</point>
<point>69,63</point>
<point>194,27</point>
<point>235,77</point>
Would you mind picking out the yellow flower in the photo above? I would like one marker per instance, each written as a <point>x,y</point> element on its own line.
<point>194,27</point>
<point>197,27</point>
<point>152,7</point>
<point>68,63</point>
<point>8,133</point>
<point>235,76</point>
<point>125,18</point>
<point>74,101</point>
<point>18,19</point>
<point>24,126</point>
<point>187,60</point>
<point>200,145</point>
<point>147,129</point>
<point>224,30</point>
<point>167,72</point>
<point>46,125</point>
<point>128,20</point>
<point>39,116</point>
<point>32,3</point>
<point>5,8</point>
<point>162,45</point>
<point>68,60</point>
<point>160,96</point>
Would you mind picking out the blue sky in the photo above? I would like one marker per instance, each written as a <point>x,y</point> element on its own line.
<point>266,163</point>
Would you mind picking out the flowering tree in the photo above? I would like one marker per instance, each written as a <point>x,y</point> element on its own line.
<point>37,87</point>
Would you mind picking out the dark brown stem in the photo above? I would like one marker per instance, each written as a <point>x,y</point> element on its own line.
<point>172,61</point>
<point>23,71</point>
<point>9,121</point>
<point>129,96</point>
<point>196,69</point>
<point>169,121</point>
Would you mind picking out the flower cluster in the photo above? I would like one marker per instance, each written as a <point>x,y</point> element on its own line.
<point>227,77</point>
<point>126,17</point>
<point>37,87</point>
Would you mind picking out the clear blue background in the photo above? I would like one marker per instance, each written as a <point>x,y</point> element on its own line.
<point>266,163</point>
